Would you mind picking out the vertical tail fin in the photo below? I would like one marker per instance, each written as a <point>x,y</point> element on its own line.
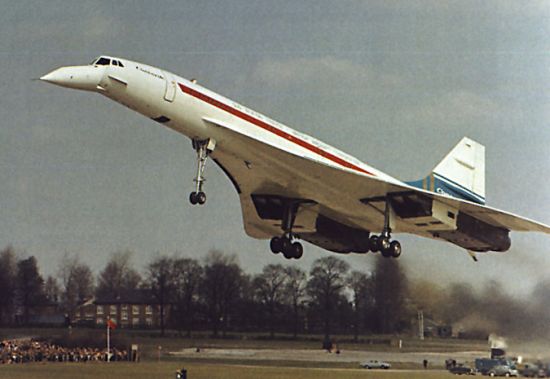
<point>460,174</point>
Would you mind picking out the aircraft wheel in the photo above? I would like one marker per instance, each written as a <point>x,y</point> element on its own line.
<point>201,198</point>
<point>286,248</point>
<point>288,254</point>
<point>276,245</point>
<point>395,249</point>
<point>384,244</point>
<point>373,244</point>
<point>193,198</point>
<point>297,250</point>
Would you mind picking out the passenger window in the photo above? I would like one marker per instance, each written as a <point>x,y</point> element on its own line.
<point>120,64</point>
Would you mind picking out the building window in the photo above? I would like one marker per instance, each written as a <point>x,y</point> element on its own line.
<point>99,310</point>
<point>124,307</point>
<point>135,321</point>
<point>149,321</point>
<point>148,310</point>
<point>99,321</point>
<point>124,316</point>
<point>112,309</point>
<point>135,309</point>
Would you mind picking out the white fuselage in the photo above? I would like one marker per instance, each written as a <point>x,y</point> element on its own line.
<point>201,114</point>
<point>157,93</point>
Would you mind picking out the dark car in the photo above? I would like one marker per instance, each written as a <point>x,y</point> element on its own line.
<point>532,370</point>
<point>462,370</point>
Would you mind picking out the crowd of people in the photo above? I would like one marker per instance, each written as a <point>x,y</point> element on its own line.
<point>25,351</point>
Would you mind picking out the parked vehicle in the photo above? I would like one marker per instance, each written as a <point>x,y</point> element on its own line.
<point>502,370</point>
<point>375,364</point>
<point>462,370</point>
<point>532,370</point>
<point>484,365</point>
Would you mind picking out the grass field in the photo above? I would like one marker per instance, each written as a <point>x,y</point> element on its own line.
<point>153,370</point>
<point>238,367</point>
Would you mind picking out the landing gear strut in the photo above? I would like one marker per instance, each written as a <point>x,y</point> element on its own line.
<point>383,242</point>
<point>284,243</point>
<point>203,149</point>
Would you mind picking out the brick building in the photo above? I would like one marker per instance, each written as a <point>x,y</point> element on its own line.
<point>132,309</point>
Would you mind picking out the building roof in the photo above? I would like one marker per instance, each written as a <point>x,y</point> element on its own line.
<point>134,296</point>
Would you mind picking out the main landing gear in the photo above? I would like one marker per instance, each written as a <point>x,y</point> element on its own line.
<point>203,149</point>
<point>383,243</point>
<point>284,243</point>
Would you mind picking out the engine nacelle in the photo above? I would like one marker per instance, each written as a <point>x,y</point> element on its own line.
<point>476,235</point>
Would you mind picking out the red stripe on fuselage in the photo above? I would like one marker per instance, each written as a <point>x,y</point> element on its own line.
<point>270,128</point>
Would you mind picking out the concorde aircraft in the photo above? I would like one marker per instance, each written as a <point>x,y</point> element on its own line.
<point>294,187</point>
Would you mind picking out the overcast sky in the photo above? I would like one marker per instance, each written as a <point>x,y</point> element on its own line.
<point>394,83</point>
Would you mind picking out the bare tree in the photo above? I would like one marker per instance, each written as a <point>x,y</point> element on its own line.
<point>269,288</point>
<point>118,275</point>
<point>77,281</point>
<point>295,289</point>
<point>360,285</point>
<point>30,286</point>
<point>221,286</point>
<point>8,272</point>
<point>160,278</point>
<point>187,276</point>
<point>52,290</point>
<point>325,286</point>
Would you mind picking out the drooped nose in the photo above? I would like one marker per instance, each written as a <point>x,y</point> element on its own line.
<point>77,77</point>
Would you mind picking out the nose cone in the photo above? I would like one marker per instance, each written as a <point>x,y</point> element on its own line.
<point>54,77</point>
<point>77,77</point>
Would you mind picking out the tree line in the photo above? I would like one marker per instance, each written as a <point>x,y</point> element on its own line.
<point>216,294</point>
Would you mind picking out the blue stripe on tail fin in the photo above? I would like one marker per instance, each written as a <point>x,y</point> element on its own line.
<point>460,174</point>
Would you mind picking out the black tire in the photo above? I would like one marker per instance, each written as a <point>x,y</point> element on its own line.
<point>384,244</point>
<point>286,248</point>
<point>373,244</point>
<point>276,245</point>
<point>193,198</point>
<point>395,249</point>
<point>201,198</point>
<point>297,250</point>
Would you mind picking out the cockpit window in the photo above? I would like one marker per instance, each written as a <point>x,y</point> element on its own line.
<point>102,62</point>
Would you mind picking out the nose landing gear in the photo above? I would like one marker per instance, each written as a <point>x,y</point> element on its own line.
<point>203,149</point>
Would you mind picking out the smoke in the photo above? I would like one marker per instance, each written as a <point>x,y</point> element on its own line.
<point>493,312</point>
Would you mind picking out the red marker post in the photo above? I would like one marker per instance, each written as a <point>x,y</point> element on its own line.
<point>110,325</point>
